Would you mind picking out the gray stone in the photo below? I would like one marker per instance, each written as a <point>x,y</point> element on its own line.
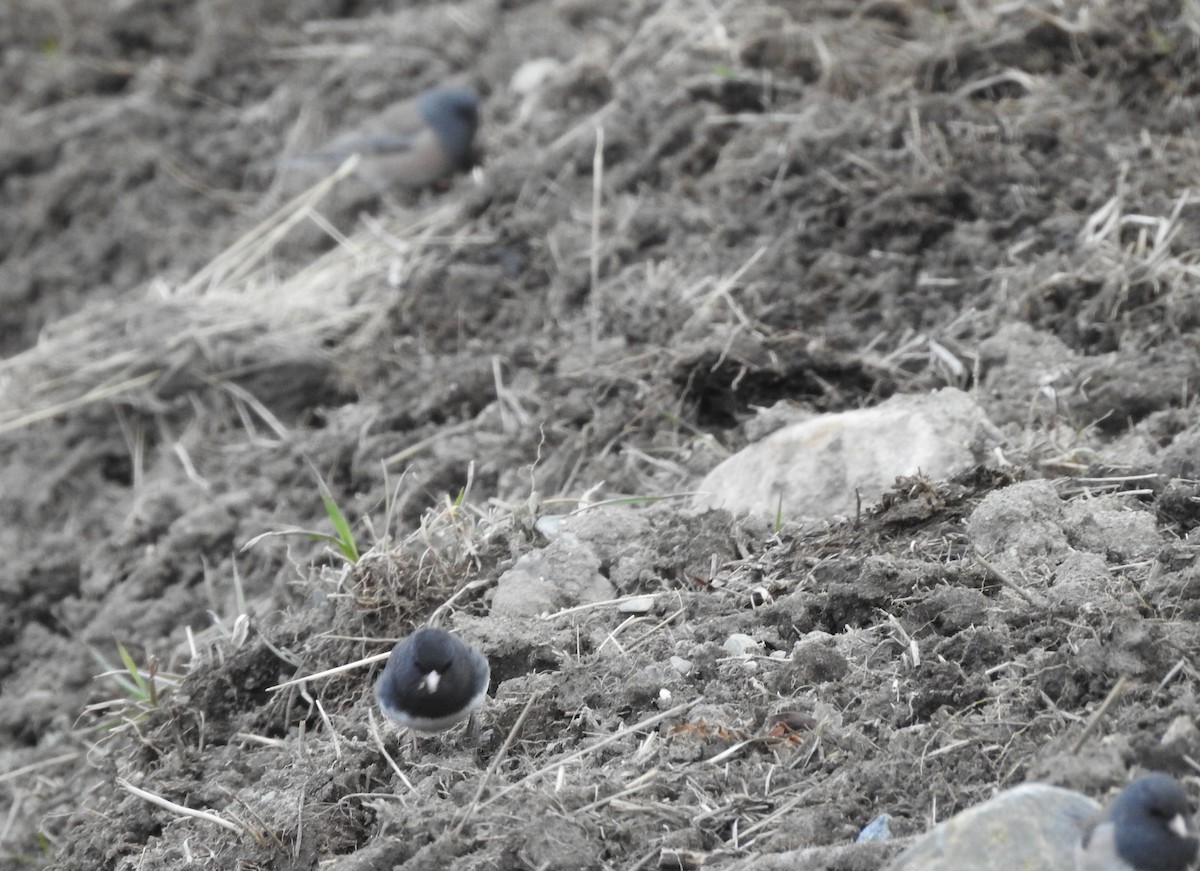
<point>819,468</point>
<point>739,644</point>
<point>879,829</point>
<point>1031,827</point>
<point>681,665</point>
<point>563,574</point>
<point>1020,528</point>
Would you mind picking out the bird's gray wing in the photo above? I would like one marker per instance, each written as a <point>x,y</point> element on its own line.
<point>371,143</point>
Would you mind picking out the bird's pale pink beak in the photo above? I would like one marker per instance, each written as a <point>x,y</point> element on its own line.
<point>429,683</point>
<point>1179,826</point>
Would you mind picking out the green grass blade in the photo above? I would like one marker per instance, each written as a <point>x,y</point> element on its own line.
<point>143,691</point>
<point>345,536</point>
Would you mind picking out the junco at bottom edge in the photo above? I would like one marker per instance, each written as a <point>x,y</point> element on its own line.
<point>1148,827</point>
<point>410,144</point>
<point>432,680</point>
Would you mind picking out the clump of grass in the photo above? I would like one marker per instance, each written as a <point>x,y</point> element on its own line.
<point>141,688</point>
<point>342,537</point>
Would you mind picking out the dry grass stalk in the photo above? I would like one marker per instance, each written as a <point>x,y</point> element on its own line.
<point>179,809</point>
<point>592,748</point>
<point>1094,722</point>
<point>499,757</point>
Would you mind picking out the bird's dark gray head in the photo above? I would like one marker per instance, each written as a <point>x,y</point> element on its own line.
<point>435,651</point>
<point>453,114</point>
<point>1153,825</point>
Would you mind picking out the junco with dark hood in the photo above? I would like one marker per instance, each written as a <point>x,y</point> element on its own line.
<point>1148,827</point>
<point>411,144</point>
<point>432,680</point>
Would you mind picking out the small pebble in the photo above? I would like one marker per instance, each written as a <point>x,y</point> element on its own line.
<point>533,74</point>
<point>640,605</point>
<point>738,644</point>
<point>549,525</point>
<point>681,665</point>
<point>879,829</point>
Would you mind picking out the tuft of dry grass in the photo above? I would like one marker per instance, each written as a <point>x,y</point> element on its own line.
<point>235,330</point>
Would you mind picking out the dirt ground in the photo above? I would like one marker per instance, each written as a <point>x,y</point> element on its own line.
<point>700,211</point>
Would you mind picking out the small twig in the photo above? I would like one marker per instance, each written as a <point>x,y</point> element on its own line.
<point>612,636</point>
<point>1109,701</point>
<point>627,500</point>
<point>783,809</point>
<point>666,621</point>
<point>730,751</point>
<point>950,748</point>
<point>337,745</point>
<point>1003,578</point>
<point>603,742</point>
<point>593,605</point>
<point>1168,677</point>
<point>594,273</point>
<point>329,672</point>
<point>45,763</point>
<point>1116,479</point>
<point>388,756</point>
<point>635,785</point>
<point>178,808</point>
<point>417,447</point>
<point>96,394</point>
<point>508,742</point>
<point>260,739</point>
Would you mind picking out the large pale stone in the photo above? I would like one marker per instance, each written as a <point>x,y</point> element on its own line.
<point>1031,827</point>
<point>812,469</point>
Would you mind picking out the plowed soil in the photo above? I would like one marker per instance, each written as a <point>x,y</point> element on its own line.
<point>699,211</point>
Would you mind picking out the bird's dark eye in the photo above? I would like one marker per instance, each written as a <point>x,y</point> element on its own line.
<point>1167,815</point>
<point>440,667</point>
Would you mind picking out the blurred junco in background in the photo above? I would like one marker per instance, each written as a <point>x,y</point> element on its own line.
<point>410,144</point>
<point>432,680</point>
<point>1148,827</point>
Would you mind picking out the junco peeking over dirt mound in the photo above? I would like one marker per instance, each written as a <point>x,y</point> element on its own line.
<point>432,680</point>
<point>411,144</point>
<point>1148,828</point>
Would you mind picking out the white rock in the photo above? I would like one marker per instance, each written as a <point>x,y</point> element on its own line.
<point>640,605</point>
<point>812,469</point>
<point>738,644</point>
<point>549,525</point>
<point>1032,826</point>
<point>533,74</point>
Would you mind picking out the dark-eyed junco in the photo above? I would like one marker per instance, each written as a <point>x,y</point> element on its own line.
<point>1148,827</point>
<point>411,144</point>
<point>432,680</point>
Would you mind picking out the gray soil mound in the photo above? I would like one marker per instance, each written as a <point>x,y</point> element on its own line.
<point>699,212</point>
